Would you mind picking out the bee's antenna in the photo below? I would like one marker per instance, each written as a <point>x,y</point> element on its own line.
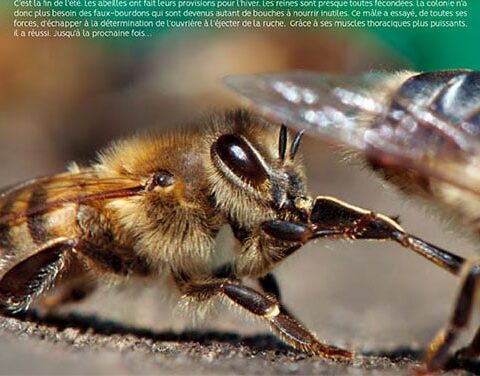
<point>282,142</point>
<point>296,144</point>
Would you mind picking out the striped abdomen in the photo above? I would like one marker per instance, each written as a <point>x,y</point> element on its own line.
<point>27,225</point>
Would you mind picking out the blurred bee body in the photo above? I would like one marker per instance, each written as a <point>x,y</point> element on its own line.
<point>152,206</point>
<point>419,131</point>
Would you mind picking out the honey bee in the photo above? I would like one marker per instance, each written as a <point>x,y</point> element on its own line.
<point>419,131</point>
<point>152,206</point>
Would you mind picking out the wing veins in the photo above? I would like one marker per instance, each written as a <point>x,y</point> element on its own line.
<point>98,196</point>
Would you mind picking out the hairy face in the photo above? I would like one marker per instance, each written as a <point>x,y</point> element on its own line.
<point>255,169</point>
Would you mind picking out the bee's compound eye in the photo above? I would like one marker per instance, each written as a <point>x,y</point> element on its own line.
<point>164,178</point>
<point>240,158</point>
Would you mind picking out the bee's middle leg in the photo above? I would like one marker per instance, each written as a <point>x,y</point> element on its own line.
<point>268,284</point>
<point>264,307</point>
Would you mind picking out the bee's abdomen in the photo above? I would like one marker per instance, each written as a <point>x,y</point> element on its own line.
<point>7,240</point>
<point>37,224</point>
<point>454,96</point>
<point>22,233</point>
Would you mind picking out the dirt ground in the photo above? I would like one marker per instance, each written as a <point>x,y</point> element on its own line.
<point>375,298</point>
<point>88,346</point>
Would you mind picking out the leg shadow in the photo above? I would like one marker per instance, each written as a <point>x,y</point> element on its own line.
<point>95,325</point>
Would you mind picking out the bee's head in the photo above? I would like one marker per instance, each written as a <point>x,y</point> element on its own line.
<point>258,174</point>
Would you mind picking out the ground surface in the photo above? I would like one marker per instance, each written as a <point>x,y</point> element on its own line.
<point>85,345</point>
<point>126,350</point>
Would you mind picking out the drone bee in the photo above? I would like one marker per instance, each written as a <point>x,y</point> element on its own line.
<point>419,131</point>
<point>152,205</point>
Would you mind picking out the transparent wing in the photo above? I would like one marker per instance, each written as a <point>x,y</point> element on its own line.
<point>312,101</point>
<point>404,130</point>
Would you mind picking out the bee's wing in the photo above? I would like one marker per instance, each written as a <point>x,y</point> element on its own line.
<point>399,131</point>
<point>28,265</point>
<point>43,194</point>
<point>306,100</point>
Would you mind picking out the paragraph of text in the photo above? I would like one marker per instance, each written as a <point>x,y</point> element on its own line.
<point>142,18</point>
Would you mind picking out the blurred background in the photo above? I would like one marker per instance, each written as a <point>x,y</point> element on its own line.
<point>62,100</point>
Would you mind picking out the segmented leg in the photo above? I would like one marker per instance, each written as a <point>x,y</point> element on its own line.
<point>332,218</point>
<point>266,308</point>
<point>73,286</point>
<point>438,352</point>
<point>26,280</point>
<point>269,285</point>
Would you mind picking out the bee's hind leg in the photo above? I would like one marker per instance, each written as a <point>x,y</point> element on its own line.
<point>264,307</point>
<point>438,353</point>
<point>23,283</point>
<point>71,288</point>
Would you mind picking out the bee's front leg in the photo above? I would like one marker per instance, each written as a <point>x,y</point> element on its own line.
<point>332,218</point>
<point>330,214</point>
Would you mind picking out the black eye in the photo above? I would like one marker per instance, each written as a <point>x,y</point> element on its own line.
<point>238,155</point>
<point>164,178</point>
